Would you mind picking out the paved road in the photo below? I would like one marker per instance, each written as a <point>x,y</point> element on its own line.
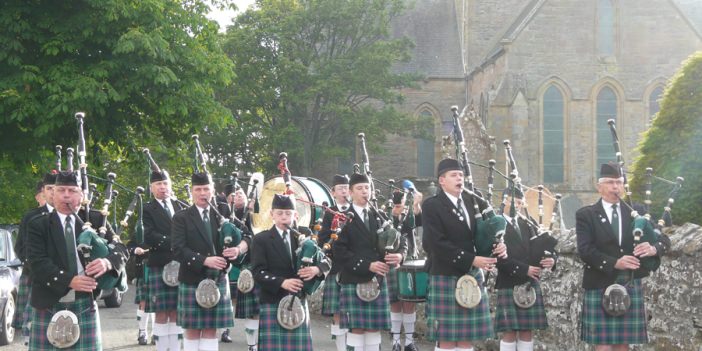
<point>119,332</point>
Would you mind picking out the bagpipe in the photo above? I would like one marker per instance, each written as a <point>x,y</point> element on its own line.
<point>490,228</point>
<point>643,228</point>
<point>93,245</point>
<point>616,300</point>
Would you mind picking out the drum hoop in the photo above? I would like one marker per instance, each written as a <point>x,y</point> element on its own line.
<point>207,284</point>
<point>299,308</point>
<point>167,270</point>
<point>75,329</point>
<point>472,283</point>
<point>371,285</point>
<point>269,187</point>
<point>531,297</point>
<point>245,274</point>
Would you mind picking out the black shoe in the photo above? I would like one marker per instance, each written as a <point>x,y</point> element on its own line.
<point>153,340</point>
<point>396,346</point>
<point>225,336</point>
<point>411,347</point>
<point>142,338</point>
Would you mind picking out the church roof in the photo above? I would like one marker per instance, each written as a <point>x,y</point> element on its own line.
<point>690,11</point>
<point>433,27</point>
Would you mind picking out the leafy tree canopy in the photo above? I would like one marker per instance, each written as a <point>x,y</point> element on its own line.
<point>144,71</point>
<point>671,146</point>
<point>311,74</point>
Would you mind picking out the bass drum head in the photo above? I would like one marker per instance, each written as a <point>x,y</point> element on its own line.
<point>531,201</point>
<point>307,189</point>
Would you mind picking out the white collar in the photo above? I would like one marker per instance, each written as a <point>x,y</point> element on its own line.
<point>608,205</point>
<point>62,217</point>
<point>360,209</point>
<point>49,208</point>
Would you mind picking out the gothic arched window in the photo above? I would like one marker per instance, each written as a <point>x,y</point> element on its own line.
<point>606,110</point>
<point>606,28</point>
<point>653,104</point>
<point>553,143</point>
<point>425,145</point>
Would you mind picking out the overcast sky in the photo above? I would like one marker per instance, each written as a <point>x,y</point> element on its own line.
<point>224,18</point>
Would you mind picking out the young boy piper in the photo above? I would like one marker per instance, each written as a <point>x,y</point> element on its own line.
<point>275,271</point>
<point>516,323</point>
<point>356,251</point>
<point>330,297</point>
<point>198,247</point>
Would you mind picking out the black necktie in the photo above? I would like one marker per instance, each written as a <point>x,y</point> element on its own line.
<point>206,220</point>
<point>366,221</point>
<point>515,224</point>
<point>168,210</point>
<point>287,244</point>
<point>615,223</point>
<point>70,238</point>
<point>461,213</point>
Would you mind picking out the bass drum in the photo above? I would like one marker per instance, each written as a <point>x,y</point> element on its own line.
<point>531,199</point>
<point>307,189</point>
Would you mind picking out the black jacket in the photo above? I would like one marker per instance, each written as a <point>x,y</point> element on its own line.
<point>21,244</point>
<point>157,232</point>
<point>271,265</point>
<point>47,249</point>
<point>446,239</point>
<point>410,234</point>
<point>513,270</point>
<point>191,245</point>
<point>325,235</point>
<point>357,247</point>
<point>599,248</point>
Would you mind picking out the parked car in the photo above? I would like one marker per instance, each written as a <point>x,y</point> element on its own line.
<point>10,271</point>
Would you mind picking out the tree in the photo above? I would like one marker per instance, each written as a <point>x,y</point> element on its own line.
<point>671,145</point>
<point>145,72</point>
<point>312,74</point>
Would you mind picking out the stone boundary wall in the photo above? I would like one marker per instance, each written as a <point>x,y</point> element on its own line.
<point>673,298</point>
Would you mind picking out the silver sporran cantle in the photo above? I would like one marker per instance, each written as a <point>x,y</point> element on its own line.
<point>368,291</point>
<point>207,294</point>
<point>170,273</point>
<point>63,331</point>
<point>468,293</point>
<point>245,283</point>
<point>291,312</point>
<point>524,295</point>
<point>616,300</point>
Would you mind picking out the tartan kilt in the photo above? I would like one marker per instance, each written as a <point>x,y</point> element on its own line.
<point>88,320</point>
<point>141,293</point>
<point>273,337</point>
<point>599,328</point>
<point>447,320</point>
<point>330,295</point>
<point>192,316</point>
<point>393,285</point>
<point>23,308</point>
<point>510,317</point>
<point>247,305</point>
<point>356,313</point>
<point>161,297</point>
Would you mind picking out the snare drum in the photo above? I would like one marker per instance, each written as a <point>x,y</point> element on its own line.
<point>413,281</point>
